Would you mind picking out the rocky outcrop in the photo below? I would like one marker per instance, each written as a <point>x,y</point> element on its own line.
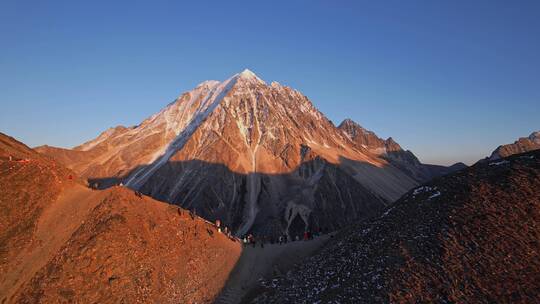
<point>523,144</point>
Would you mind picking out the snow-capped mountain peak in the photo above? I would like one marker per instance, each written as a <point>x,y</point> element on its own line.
<point>248,75</point>
<point>239,150</point>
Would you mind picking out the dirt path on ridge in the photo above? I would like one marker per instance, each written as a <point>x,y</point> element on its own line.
<point>256,263</point>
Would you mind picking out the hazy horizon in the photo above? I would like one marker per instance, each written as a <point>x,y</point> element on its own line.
<point>448,81</point>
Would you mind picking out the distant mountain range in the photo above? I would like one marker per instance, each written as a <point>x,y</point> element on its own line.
<point>259,157</point>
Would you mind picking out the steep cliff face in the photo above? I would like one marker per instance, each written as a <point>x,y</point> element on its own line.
<point>468,237</point>
<point>256,156</point>
<point>391,151</point>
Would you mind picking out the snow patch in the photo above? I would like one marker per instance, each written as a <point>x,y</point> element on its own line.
<point>502,162</point>
<point>421,189</point>
<point>249,76</point>
<point>434,195</point>
<point>387,212</point>
<point>426,189</point>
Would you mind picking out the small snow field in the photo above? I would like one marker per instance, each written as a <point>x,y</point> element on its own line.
<point>502,162</point>
<point>434,195</point>
<point>431,190</point>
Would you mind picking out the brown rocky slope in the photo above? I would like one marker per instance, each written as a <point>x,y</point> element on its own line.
<point>470,237</point>
<point>61,242</point>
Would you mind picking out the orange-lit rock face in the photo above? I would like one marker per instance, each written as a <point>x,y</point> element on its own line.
<point>523,144</point>
<point>62,242</point>
<point>244,152</point>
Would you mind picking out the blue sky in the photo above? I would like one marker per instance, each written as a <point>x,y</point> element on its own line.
<point>448,80</point>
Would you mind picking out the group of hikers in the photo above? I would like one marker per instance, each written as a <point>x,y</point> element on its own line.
<point>224,229</point>
<point>18,160</point>
<point>250,240</point>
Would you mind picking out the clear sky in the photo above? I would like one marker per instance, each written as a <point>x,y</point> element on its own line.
<point>449,80</point>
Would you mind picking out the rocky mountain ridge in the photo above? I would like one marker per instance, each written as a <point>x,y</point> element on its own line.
<point>391,151</point>
<point>259,157</point>
<point>523,144</point>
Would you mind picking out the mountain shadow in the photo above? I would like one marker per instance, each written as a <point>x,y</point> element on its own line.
<point>316,196</point>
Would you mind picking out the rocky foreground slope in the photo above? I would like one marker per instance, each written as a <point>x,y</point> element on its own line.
<point>61,242</point>
<point>471,237</point>
<point>259,157</point>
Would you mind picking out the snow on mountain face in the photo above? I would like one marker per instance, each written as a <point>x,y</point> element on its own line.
<point>183,128</point>
<point>523,144</point>
<point>250,76</point>
<point>259,157</point>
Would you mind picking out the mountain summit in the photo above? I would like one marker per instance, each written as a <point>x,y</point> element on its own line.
<point>250,76</point>
<point>261,158</point>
